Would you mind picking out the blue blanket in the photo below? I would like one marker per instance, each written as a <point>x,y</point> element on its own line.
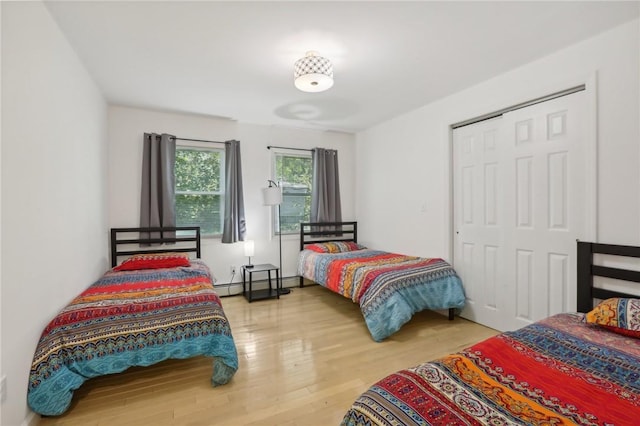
<point>389,287</point>
<point>131,318</point>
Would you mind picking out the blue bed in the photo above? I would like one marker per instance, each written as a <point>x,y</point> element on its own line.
<point>132,317</point>
<point>390,288</point>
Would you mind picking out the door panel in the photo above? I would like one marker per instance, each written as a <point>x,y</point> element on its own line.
<point>518,210</point>
<point>478,217</point>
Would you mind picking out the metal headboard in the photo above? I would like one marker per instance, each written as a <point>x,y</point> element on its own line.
<point>587,271</point>
<point>158,235</point>
<point>322,232</point>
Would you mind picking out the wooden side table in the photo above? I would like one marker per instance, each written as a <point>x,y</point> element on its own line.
<point>268,293</point>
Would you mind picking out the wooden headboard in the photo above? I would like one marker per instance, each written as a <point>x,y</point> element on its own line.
<point>186,241</point>
<point>322,232</point>
<point>587,270</point>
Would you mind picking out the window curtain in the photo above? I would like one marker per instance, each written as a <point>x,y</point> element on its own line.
<point>325,187</point>
<point>158,203</point>
<point>235,226</point>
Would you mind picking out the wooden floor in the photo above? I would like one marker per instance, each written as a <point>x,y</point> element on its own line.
<point>303,360</point>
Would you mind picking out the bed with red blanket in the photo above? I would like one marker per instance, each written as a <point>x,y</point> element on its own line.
<point>571,368</point>
<point>389,287</point>
<point>152,307</point>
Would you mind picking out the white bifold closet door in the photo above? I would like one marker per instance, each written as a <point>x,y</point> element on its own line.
<point>519,195</point>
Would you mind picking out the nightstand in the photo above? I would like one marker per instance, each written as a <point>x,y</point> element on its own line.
<point>268,293</point>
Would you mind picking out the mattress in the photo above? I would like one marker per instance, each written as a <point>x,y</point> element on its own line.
<point>131,318</point>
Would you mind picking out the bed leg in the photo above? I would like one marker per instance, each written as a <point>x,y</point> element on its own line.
<point>301,282</point>
<point>452,312</point>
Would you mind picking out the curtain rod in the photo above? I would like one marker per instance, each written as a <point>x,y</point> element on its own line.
<point>197,140</point>
<point>295,149</point>
<point>500,112</point>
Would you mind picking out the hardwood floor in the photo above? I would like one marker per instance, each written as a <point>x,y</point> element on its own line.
<point>303,360</point>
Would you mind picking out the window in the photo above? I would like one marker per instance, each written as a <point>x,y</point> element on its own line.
<point>200,188</point>
<point>294,174</point>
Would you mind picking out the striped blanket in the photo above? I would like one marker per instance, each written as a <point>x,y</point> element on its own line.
<point>559,371</point>
<point>389,287</point>
<point>131,318</point>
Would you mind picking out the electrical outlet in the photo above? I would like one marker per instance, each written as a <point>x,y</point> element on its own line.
<point>3,388</point>
<point>233,269</point>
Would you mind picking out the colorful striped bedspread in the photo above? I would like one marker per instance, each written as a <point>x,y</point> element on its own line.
<point>131,318</point>
<point>389,287</point>
<point>559,371</point>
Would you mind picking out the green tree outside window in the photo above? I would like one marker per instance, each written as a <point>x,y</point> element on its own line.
<point>294,174</point>
<point>200,188</point>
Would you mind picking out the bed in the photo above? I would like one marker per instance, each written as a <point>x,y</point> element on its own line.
<point>156,305</point>
<point>389,288</point>
<point>572,368</point>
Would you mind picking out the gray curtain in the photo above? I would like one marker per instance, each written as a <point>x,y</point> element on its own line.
<point>235,226</point>
<point>158,204</point>
<point>325,188</point>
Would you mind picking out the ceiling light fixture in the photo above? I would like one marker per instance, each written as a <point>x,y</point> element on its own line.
<point>313,73</point>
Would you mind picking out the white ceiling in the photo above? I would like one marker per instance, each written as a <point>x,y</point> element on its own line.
<point>235,59</point>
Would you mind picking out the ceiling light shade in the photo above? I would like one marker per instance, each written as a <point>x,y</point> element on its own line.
<point>313,73</point>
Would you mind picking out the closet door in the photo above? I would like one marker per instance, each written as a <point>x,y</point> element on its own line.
<point>519,199</point>
<point>480,219</point>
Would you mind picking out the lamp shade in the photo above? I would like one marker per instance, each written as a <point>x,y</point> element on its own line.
<point>313,73</point>
<point>272,196</point>
<point>249,248</point>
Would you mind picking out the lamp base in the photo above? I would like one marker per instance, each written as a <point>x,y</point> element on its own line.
<point>284,291</point>
<point>248,266</point>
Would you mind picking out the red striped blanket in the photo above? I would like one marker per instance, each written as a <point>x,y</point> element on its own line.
<point>130,318</point>
<point>559,371</point>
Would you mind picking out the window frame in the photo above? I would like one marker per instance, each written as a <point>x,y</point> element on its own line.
<point>203,146</point>
<point>275,225</point>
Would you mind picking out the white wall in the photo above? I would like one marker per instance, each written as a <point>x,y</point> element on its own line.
<point>1,369</point>
<point>54,170</point>
<point>54,193</point>
<point>406,161</point>
<point>126,129</point>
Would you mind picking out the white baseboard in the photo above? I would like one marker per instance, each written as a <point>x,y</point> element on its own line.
<point>32,419</point>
